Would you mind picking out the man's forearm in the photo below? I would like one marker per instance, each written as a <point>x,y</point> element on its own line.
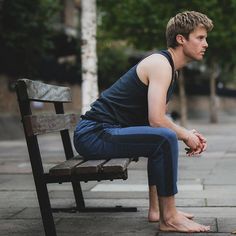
<point>181,132</point>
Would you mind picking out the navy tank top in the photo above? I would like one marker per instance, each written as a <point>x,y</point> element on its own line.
<point>125,102</point>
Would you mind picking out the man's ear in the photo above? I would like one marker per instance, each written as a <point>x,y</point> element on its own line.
<point>180,39</point>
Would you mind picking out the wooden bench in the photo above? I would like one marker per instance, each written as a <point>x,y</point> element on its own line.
<point>74,169</point>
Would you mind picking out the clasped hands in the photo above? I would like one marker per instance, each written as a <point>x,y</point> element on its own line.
<point>196,143</point>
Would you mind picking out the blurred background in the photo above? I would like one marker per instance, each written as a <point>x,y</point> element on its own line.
<point>42,40</point>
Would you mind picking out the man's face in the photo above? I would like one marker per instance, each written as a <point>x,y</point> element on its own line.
<point>195,46</point>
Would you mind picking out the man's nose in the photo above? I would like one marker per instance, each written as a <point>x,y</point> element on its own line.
<point>205,44</point>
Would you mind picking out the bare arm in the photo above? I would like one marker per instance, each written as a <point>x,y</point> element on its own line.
<point>159,73</point>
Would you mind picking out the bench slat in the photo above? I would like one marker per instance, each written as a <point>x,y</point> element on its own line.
<point>47,123</point>
<point>116,165</point>
<point>91,166</point>
<point>38,91</point>
<point>66,167</point>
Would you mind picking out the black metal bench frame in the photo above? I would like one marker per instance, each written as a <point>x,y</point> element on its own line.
<point>74,169</point>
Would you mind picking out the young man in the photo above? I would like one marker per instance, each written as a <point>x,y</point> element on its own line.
<point>129,119</point>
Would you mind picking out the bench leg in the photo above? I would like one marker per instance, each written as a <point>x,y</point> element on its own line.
<point>80,204</point>
<point>45,209</point>
<point>79,198</point>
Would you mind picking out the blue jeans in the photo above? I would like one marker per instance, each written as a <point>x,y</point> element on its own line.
<point>95,140</point>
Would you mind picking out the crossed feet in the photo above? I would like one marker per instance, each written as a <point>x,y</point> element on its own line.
<point>180,222</point>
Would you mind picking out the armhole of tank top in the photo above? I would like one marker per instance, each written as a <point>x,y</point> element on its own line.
<point>167,55</point>
<point>137,77</point>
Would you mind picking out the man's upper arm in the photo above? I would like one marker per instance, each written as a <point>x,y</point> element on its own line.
<point>159,74</point>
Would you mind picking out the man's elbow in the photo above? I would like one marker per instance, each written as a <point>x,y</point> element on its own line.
<point>156,122</point>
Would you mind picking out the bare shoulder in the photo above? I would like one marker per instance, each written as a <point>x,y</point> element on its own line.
<point>155,58</point>
<point>153,66</point>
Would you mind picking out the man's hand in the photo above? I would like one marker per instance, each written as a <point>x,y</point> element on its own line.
<point>196,143</point>
<point>202,140</point>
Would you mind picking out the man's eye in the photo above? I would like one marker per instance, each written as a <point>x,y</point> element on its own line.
<point>201,37</point>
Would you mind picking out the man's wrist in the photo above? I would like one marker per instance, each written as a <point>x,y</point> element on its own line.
<point>186,136</point>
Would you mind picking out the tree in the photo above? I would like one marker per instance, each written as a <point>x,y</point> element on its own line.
<point>88,53</point>
<point>1,3</point>
<point>142,24</point>
<point>26,29</point>
<point>221,41</point>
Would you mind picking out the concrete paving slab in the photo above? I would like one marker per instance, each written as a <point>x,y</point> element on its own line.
<point>226,164</point>
<point>23,234</point>
<point>16,182</point>
<point>67,187</point>
<point>186,202</point>
<point>219,212</point>
<point>28,213</point>
<point>197,164</point>
<point>210,181</point>
<point>232,148</point>
<point>15,167</point>
<point>230,202</point>
<point>9,212</point>
<point>119,225</point>
<point>214,193</point>
<point>140,203</point>
<point>134,176</point>
<point>16,203</point>
<point>141,213</point>
<point>204,194</point>
<point>226,224</point>
<point>139,187</point>
<point>224,179</point>
<point>194,174</point>
<point>115,195</point>
<point>19,226</point>
<point>108,225</point>
<point>228,188</point>
<point>140,165</point>
<point>13,143</point>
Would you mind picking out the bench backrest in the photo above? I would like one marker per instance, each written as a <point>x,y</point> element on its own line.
<point>36,124</point>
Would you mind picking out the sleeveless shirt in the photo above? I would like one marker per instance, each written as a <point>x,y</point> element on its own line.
<point>125,102</point>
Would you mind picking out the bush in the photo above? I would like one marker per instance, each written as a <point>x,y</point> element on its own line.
<point>26,35</point>
<point>113,62</point>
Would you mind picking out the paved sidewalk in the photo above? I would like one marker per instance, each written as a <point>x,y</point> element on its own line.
<point>207,188</point>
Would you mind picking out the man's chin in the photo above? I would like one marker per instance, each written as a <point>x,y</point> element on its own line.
<point>199,58</point>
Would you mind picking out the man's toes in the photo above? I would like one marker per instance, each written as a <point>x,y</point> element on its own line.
<point>205,228</point>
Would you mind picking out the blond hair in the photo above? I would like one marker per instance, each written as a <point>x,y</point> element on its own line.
<point>184,23</point>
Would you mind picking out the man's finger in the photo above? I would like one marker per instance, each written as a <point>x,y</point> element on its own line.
<point>200,136</point>
<point>204,147</point>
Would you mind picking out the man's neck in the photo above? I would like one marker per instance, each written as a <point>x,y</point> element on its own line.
<point>178,57</point>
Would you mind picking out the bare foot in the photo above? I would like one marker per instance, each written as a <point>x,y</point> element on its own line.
<point>180,223</point>
<point>154,216</point>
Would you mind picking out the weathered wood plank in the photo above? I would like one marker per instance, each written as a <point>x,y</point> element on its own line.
<point>92,166</point>
<point>38,91</point>
<point>47,123</point>
<point>66,167</point>
<point>116,165</point>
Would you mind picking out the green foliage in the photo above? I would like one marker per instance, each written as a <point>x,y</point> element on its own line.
<point>26,33</point>
<point>112,62</point>
<point>142,24</point>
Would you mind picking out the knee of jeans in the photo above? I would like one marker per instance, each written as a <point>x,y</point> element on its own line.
<point>170,135</point>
